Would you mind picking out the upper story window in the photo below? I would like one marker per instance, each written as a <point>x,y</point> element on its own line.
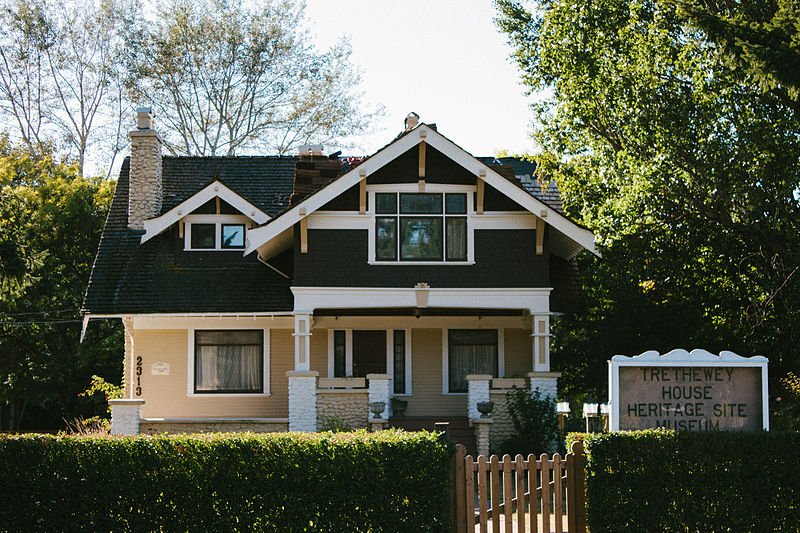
<point>422,227</point>
<point>215,232</point>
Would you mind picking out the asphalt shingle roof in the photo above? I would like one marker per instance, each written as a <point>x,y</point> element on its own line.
<point>159,277</point>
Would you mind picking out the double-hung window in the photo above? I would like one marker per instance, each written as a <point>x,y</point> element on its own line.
<point>421,227</point>
<point>229,361</point>
<point>470,351</point>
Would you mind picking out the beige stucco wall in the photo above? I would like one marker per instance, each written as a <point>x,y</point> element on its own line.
<point>519,352</point>
<point>426,370</point>
<point>166,396</point>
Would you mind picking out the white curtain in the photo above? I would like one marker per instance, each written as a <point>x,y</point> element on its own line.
<point>224,362</point>
<point>480,357</point>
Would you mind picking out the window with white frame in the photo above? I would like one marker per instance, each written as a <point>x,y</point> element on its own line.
<point>356,353</point>
<point>215,232</point>
<point>470,351</point>
<point>413,227</point>
<point>229,361</point>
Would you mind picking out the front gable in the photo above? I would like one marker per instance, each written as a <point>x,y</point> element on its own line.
<point>190,207</point>
<point>420,160</point>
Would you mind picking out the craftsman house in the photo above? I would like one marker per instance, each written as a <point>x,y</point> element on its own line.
<point>312,291</point>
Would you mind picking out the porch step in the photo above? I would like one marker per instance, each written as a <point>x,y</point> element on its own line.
<point>459,429</point>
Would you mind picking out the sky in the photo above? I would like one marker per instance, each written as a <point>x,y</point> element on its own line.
<point>443,59</point>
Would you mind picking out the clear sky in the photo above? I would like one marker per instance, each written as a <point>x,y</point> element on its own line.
<point>443,59</point>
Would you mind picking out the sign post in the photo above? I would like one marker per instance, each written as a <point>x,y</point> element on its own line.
<point>681,390</point>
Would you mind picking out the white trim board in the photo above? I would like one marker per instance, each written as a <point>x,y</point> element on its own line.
<point>308,299</point>
<point>260,237</point>
<point>158,225</point>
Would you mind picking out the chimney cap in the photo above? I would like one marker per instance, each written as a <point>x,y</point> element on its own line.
<point>310,149</point>
<point>144,117</point>
<point>411,121</point>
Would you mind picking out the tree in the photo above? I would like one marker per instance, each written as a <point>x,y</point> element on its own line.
<point>228,77</point>
<point>50,224</point>
<point>686,167</point>
<point>60,78</point>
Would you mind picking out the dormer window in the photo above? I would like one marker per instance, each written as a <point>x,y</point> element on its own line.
<point>422,227</point>
<point>215,232</point>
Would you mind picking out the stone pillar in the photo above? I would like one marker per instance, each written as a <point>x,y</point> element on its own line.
<point>302,400</point>
<point>541,343</point>
<point>144,177</point>
<point>477,391</point>
<point>125,416</point>
<point>546,382</point>
<point>482,428</point>
<point>379,391</point>
<point>377,424</point>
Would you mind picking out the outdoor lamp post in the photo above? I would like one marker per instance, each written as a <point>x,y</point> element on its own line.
<point>562,410</point>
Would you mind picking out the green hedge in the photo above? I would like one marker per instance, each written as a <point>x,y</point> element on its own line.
<point>693,481</point>
<point>384,481</point>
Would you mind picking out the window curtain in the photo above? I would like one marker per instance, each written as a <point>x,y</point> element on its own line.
<point>229,366</point>
<point>471,352</point>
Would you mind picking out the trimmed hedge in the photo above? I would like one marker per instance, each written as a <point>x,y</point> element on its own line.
<point>661,480</point>
<point>384,481</point>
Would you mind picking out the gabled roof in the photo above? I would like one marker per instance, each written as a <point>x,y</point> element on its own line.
<point>215,189</point>
<point>157,276</point>
<point>572,236</point>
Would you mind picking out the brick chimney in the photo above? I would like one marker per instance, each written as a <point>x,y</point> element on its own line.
<point>313,171</point>
<point>144,195</point>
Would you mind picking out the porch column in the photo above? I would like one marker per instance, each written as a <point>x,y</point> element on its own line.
<point>541,343</point>
<point>302,400</point>
<point>379,391</point>
<point>477,391</point>
<point>302,342</point>
<point>125,416</point>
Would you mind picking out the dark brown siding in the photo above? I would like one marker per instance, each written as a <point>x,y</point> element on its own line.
<point>438,169</point>
<point>503,258</point>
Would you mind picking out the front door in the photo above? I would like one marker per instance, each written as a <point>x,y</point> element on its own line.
<point>369,352</point>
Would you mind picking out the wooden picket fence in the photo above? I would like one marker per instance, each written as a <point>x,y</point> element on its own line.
<point>523,494</point>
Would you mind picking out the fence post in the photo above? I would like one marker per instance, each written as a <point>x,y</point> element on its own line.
<point>459,488</point>
<point>576,489</point>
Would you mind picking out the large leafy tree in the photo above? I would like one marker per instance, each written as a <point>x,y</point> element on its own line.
<point>685,161</point>
<point>229,77</point>
<point>50,223</point>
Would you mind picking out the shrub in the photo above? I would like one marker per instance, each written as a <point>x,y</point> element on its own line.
<point>385,481</point>
<point>659,480</point>
<point>535,422</point>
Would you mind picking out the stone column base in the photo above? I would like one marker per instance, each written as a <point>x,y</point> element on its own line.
<point>378,424</point>
<point>125,416</point>
<point>302,400</point>
<point>546,382</point>
<point>482,428</point>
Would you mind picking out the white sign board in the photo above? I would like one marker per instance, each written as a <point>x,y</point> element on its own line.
<point>159,369</point>
<point>696,391</point>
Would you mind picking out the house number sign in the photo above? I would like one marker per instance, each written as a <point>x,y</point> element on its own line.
<point>696,391</point>
<point>138,373</point>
